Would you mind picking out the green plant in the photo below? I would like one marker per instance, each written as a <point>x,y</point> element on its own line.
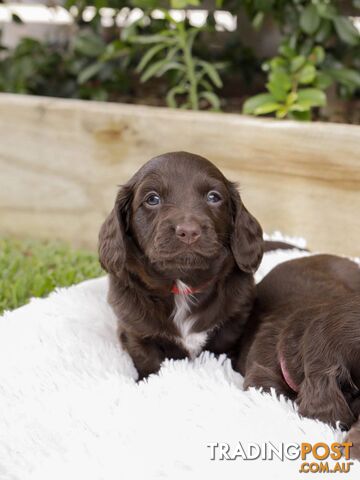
<point>171,50</point>
<point>32,268</point>
<point>320,47</point>
<point>26,69</point>
<point>92,64</point>
<point>155,58</point>
<point>295,85</point>
<point>100,67</point>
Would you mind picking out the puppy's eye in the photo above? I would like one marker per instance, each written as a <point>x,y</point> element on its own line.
<point>153,199</point>
<point>213,197</point>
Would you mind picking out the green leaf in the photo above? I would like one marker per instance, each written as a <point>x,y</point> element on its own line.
<point>291,98</point>
<point>269,107</point>
<point>159,38</point>
<point>170,97</point>
<point>281,77</point>
<point>300,107</point>
<point>89,44</point>
<point>258,20</point>
<point>212,98</point>
<point>172,51</point>
<point>206,84</point>
<point>170,66</point>
<point>307,74</point>
<point>112,54</point>
<point>323,80</point>
<point>326,10</point>
<point>309,19</point>
<point>304,116</point>
<point>317,55</point>
<point>276,63</point>
<point>115,49</point>
<point>252,103</point>
<point>279,84</point>
<point>346,30</point>
<point>277,91</point>
<point>191,35</point>
<point>311,97</point>
<point>282,112</point>
<point>293,40</point>
<point>89,72</point>
<point>324,31</point>
<point>149,55</point>
<point>306,46</point>
<point>346,76</point>
<point>297,63</point>
<point>287,51</point>
<point>212,73</point>
<point>152,70</point>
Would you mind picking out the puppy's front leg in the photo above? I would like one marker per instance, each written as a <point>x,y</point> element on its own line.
<point>145,353</point>
<point>148,353</point>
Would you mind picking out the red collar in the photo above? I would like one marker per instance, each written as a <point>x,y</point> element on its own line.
<point>285,373</point>
<point>188,290</point>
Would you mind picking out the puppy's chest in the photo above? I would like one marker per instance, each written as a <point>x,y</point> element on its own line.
<point>184,321</point>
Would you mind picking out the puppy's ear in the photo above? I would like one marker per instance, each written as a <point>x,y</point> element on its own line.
<point>112,236</point>
<point>320,397</point>
<point>246,239</point>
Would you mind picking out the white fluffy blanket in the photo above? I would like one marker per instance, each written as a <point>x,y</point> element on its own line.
<point>70,407</point>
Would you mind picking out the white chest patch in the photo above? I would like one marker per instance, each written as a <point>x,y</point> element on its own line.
<point>193,342</point>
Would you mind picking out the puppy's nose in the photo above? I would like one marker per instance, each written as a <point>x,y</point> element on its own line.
<point>188,232</point>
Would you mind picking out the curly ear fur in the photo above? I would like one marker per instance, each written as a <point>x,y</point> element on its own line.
<point>247,238</point>
<point>112,236</point>
<point>321,397</point>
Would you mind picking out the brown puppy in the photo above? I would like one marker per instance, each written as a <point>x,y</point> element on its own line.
<point>303,338</point>
<point>180,248</point>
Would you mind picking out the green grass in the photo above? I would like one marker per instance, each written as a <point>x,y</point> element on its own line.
<point>32,268</point>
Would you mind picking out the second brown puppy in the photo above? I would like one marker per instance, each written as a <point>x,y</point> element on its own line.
<point>304,337</point>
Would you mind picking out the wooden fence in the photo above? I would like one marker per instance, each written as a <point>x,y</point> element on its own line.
<point>61,162</point>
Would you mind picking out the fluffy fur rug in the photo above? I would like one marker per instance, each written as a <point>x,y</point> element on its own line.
<point>70,407</point>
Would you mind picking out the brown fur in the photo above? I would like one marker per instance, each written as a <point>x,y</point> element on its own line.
<point>143,249</point>
<point>308,313</point>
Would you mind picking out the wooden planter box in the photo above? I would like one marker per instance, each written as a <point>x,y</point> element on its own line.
<point>61,162</point>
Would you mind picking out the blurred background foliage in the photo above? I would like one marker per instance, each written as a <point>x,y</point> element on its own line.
<point>310,68</point>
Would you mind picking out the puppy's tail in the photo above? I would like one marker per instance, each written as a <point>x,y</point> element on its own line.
<point>270,245</point>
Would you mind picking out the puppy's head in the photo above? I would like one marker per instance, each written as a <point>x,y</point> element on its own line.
<point>179,213</point>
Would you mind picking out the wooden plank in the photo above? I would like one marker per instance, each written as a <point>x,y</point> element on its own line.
<point>61,162</point>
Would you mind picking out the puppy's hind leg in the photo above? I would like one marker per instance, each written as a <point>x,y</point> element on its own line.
<point>265,378</point>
